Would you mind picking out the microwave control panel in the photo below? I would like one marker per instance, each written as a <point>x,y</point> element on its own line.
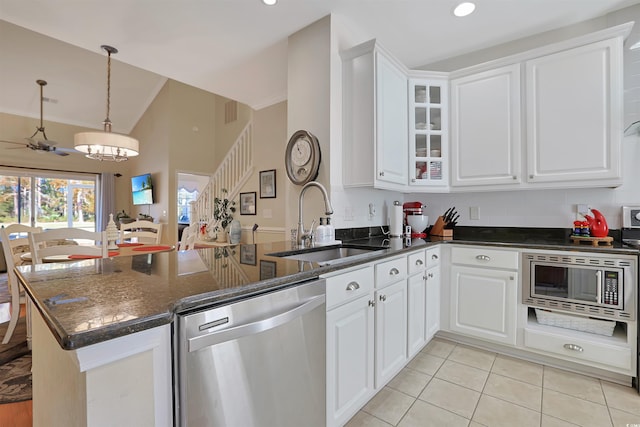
<point>610,291</point>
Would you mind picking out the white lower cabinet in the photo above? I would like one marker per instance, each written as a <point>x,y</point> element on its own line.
<point>484,293</point>
<point>350,343</point>
<point>350,349</point>
<point>416,313</point>
<point>433,302</point>
<point>391,331</point>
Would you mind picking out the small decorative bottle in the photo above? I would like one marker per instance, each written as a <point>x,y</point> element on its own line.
<point>112,233</point>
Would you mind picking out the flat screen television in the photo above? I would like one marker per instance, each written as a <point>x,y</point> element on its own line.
<point>142,189</point>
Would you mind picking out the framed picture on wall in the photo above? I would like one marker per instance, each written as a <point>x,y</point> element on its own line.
<point>248,203</point>
<point>248,254</point>
<point>267,269</point>
<point>268,184</point>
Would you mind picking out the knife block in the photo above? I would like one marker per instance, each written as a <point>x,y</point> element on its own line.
<point>438,229</point>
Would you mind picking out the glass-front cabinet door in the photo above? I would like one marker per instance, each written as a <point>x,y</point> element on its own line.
<point>428,123</point>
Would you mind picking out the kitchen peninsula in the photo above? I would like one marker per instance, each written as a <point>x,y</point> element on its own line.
<point>103,334</point>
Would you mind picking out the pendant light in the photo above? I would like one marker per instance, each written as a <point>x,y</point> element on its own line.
<point>113,147</point>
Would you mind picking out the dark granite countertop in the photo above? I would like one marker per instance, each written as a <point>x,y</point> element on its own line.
<point>91,301</point>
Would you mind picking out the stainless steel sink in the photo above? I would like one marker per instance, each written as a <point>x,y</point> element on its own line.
<point>326,256</point>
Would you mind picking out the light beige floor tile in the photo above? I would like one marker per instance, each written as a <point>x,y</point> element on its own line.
<point>574,384</point>
<point>451,397</point>
<point>549,421</point>
<point>426,363</point>
<point>362,419</point>
<point>389,405</point>
<point>473,357</point>
<point>497,413</point>
<point>518,369</point>
<point>423,414</point>
<point>574,410</point>
<point>624,419</point>
<point>439,348</point>
<point>410,381</point>
<point>620,397</point>
<point>476,424</point>
<point>514,391</point>
<point>464,375</point>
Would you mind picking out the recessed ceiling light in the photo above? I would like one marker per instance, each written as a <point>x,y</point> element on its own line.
<point>269,2</point>
<point>464,9</point>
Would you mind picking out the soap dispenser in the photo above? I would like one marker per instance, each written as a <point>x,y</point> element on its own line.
<point>331,231</point>
<point>321,232</point>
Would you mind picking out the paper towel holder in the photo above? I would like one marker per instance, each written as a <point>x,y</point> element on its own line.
<point>396,220</point>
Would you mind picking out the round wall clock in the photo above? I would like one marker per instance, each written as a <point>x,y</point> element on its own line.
<point>302,157</point>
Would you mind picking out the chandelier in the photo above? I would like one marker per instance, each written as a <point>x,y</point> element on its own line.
<point>105,145</point>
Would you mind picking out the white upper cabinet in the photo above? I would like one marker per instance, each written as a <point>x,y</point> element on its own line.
<point>574,115</point>
<point>485,128</point>
<point>428,131</point>
<point>375,116</point>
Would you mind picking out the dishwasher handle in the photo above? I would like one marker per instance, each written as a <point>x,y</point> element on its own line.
<point>197,343</point>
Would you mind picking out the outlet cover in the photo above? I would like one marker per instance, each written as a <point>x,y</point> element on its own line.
<point>474,213</point>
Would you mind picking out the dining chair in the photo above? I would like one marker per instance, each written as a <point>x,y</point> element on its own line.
<point>46,243</point>
<point>14,243</point>
<point>144,231</point>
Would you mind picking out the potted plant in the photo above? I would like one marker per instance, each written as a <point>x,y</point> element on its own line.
<point>223,210</point>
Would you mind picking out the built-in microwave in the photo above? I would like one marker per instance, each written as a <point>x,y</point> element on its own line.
<point>598,285</point>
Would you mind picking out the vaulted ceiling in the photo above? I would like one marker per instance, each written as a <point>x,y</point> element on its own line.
<point>235,48</point>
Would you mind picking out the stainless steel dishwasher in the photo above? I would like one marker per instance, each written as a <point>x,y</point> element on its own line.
<point>257,362</point>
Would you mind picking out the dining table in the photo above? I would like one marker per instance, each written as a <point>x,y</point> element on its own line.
<point>124,249</point>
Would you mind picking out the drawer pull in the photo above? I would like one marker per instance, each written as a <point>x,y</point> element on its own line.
<point>393,272</point>
<point>574,347</point>
<point>430,275</point>
<point>419,262</point>
<point>383,297</point>
<point>434,256</point>
<point>353,286</point>
<point>372,303</point>
<point>483,258</point>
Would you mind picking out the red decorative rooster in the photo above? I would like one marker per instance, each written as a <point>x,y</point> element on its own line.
<point>597,224</point>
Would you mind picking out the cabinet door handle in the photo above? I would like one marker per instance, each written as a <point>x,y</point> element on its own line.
<point>483,258</point>
<point>430,275</point>
<point>514,177</point>
<point>372,303</point>
<point>434,256</point>
<point>353,286</point>
<point>574,347</point>
<point>383,297</point>
<point>393,272</point>
<point>419,262</point>
<point>381,173</point>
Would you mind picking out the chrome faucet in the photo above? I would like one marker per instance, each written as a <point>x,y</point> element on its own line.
<point>308,235</point>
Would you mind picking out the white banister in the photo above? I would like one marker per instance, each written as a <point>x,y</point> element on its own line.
<point>232,173</point>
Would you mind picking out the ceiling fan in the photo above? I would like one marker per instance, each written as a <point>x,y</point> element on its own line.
<point>45,145</point>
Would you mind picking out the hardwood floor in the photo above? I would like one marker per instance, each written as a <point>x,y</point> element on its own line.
<point>14,414</point>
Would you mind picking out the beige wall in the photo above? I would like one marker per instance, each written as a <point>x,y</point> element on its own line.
<point>183,130</point>
<point>269,141</point>
<point>309,88</point>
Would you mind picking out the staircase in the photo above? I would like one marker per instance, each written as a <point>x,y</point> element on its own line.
<point>232,174</point>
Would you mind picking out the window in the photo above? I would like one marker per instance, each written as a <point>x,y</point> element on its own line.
<point>48,199</point>
<point>185,197</point>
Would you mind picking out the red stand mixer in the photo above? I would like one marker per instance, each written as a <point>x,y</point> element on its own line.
<point>415,216</point>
